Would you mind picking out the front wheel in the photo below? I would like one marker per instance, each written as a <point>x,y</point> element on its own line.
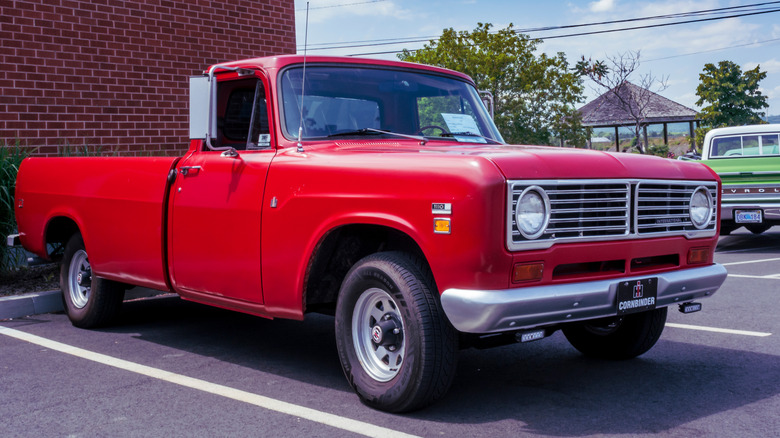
<point>618,338</point>
<point>396,347</point>
<point>89,301</point>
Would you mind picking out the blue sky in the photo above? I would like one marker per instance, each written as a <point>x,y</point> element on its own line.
<point>677,52</point>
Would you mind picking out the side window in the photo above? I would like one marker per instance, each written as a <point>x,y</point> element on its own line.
<point>242,120</point>
<point>238,114</point>
<point>750,146</point>
<point>769,144</point>
<point>726,146</point>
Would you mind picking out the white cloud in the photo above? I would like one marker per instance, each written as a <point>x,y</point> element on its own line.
<point>649,9</point>
<point>773,93</point>
<point>602,5</point>
<point>770,66</point>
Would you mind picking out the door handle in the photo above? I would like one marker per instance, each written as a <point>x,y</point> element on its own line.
<point>186,169</point>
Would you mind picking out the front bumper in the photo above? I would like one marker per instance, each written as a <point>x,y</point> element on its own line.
<point>491,311</point>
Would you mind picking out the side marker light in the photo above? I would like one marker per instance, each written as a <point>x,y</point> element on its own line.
<point>441,225</point>
<point>699,255</point>
<point>527,272</point>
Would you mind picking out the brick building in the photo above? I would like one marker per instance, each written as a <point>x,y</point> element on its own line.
<point>113,74</point>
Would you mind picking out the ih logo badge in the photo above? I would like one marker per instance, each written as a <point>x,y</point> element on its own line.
<point>638,290</point>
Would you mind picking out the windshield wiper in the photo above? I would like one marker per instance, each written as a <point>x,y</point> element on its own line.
<point>372,131</point>
<point>469,134</point>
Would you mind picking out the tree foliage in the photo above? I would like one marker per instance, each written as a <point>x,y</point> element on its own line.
<point>534,95</point>
<point>732,97</point>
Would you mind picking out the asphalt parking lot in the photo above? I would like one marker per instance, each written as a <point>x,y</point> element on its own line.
<point>173,368</point>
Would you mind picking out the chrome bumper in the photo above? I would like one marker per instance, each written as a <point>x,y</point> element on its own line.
<point>490,311</point>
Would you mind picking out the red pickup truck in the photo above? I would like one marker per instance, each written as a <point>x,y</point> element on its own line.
<point>380,192</point>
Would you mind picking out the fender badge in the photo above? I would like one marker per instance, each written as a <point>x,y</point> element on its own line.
<point>441,208</point>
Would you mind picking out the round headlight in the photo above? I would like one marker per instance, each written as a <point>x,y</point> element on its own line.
<point>533,212</point>
<point>701,207</point>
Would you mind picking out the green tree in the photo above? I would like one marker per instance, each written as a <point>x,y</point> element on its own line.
<point>534,95</point>
<point>731,96</point>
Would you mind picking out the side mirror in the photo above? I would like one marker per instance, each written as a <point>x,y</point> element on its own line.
<point>203,108</point>
<point>487,100</point>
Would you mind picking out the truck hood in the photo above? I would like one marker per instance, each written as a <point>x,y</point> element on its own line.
<point>547,162</point>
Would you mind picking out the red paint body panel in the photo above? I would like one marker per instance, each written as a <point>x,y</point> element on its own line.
<point>326,188</point>
<point>116,202</point>
<point>215,224</point>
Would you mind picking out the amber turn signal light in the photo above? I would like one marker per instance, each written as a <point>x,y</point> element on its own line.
<point>441,225</point>
<point>527,272</point>
<point>698,255</point>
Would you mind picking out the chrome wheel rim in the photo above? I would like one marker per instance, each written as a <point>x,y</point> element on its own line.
<point>79,279</point>
<point>376,321</point>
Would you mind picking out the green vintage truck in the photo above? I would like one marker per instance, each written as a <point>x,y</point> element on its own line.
<point>747,158</point>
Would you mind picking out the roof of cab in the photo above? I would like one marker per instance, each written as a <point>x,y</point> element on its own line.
<point>281,61</point>
<point>745,129</point>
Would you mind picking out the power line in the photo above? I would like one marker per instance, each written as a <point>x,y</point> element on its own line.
<point>342,5</point>
<point>713,50</point>
<point>650,26</point>
<point>607,30</point>
<point>746,10</point>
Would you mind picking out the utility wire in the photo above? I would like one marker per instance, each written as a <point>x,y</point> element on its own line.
<point>712,50</point>
<point>342,5</point>
<point>600,31</point>
<point>754,9</point>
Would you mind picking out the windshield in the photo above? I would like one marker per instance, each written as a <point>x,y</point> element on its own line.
<point>368,101</point>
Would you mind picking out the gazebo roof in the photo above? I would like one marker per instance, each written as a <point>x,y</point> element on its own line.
<point>606,110</point>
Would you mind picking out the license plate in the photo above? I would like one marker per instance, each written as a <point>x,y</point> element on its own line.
<point>747,216</point>
<point>636,295</point>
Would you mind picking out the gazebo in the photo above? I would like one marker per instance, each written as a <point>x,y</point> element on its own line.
<point>627,103</point>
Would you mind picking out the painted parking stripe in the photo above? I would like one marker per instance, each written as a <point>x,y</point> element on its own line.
<point>763,277</point>
<point>332,420</point>
<point>751,261</point>
<point>718,330</point>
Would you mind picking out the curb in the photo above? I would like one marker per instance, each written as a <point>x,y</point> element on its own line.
<point>17,306</point>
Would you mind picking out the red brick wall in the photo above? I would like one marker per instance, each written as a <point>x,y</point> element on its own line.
<point>113,75</point>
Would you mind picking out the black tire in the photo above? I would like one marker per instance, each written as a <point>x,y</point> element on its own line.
<point>89,301</point>
<point>727,227</point>
<point>758,228</point>
<point>405,370</point>
<point>618,338</point>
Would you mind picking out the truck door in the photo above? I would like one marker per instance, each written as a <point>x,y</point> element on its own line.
<point>216,205</point>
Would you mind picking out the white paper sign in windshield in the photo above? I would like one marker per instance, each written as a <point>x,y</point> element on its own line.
<point>463,124</point>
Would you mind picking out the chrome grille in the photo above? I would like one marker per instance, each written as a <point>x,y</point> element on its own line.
<point>662,207</point>
<point>596,210</point>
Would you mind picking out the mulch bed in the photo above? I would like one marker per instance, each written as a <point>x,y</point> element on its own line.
<point>30,279</point>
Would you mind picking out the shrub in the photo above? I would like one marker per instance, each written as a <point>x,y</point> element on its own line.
<point>10,159</point>
<point>661,150</point>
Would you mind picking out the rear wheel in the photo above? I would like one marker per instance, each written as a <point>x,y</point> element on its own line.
<point>396,347</point>
<point>618,338</point>
<point>89,301</point>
